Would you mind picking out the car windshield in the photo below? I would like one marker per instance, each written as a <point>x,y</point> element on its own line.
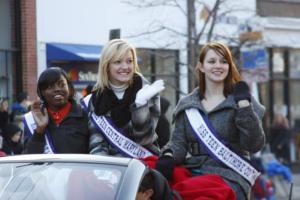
<point>59,181</point>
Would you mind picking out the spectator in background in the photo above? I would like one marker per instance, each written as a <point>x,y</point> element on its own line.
<point>12,144</point>
<point>87,90</point>
<point>163,125</point>
<point>156,187</point>
<point>19,108</point>
<point>2,153</point>
<point>4,114</point>
<point>280,138</point>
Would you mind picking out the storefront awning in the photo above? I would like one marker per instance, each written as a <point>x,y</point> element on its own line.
<point>72,52</point>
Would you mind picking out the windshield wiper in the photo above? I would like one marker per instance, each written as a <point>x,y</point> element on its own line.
<point>34,163</point>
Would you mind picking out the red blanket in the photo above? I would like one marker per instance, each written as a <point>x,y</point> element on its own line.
<point>204,187</point>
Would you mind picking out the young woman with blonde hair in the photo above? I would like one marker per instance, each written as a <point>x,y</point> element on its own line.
<point>123,107</point>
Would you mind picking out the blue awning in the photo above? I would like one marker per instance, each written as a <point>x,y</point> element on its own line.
<point>72,52</point>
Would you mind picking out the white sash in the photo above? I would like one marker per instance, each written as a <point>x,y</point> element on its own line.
<point>217,149</point>
<point>115,136</point>
<point>30,124</point>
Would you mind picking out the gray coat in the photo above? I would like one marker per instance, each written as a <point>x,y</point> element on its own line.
<point>240,127</point>
<point>140,129</point>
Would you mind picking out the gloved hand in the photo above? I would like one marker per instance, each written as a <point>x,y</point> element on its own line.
<point>165,165</point>
<point>241,91</point>
<point>149,91</point>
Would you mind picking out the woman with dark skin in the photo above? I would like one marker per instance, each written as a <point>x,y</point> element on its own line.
<point>59,125</point>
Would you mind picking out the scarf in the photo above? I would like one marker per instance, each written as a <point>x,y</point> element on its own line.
<point>106,101</point>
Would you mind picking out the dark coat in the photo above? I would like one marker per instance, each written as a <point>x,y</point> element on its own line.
<point>8,146</point>
<point>70,136</point>
<point>4,118</point>
<point>280,138</point>
<point>12,148</point>
<point>163,125</point>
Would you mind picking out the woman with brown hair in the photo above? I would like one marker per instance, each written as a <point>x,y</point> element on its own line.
<point>217,126</point>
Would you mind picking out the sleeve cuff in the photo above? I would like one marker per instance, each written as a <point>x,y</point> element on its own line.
<point>38,137</point>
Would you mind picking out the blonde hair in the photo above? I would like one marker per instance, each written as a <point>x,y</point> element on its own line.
<point>115,49</point>
<point>233,74</point>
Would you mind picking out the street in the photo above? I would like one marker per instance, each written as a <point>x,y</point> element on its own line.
<point>282,188</point>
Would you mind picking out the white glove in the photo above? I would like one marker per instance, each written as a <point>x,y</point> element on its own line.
<point>148,91</point>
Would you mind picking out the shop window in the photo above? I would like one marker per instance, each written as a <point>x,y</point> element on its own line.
<point>278,61</point>
<point>165,63</point>
<point>278,8</point>
<point>6,52</point>
<point>3,77</point>
<point>264,88</point>
<point>294,100</point>
<point>5,74</point>
<point>5,24</point>
<point>161,64</point>
<point>144,62</point>
<point>294,63</point>
<point>278,91</point>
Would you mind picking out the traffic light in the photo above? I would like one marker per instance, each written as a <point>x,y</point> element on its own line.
<point>114,34</point>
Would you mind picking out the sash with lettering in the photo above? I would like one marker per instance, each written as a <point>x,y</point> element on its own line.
<point>30,125</point>
<point>114,135</point>
<point>206,135</point>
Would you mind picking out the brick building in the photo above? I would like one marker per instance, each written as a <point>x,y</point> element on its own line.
<point>18,63</point>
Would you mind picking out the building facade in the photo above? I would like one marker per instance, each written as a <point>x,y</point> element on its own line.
<point>18,61</point>
<point>281,30</point>
<point>161,54</point>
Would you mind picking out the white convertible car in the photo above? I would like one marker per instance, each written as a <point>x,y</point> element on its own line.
<point>69,177</point>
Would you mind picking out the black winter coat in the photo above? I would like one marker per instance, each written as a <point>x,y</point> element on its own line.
<point>70,136</point>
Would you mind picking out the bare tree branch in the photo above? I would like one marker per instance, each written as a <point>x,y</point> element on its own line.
<point>148,4</point>
<point>174,31</point>
<point>214,18</point>
<point>180,8</point>
<point>193,34</point>
<point>146,33</point>
<point>151,4</point>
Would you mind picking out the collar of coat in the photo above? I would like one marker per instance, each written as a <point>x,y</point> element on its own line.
<point>75,111</point>
<point>192,100</point>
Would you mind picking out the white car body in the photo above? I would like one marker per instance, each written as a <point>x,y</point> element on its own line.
<point>69,176</point>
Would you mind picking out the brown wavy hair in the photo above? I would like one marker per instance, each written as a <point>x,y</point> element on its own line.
<point>233,74</point>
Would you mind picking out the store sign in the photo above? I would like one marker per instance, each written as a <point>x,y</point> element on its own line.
<point>87,76</point>
<point>250,36</point>
<point>76,75</point>
<point>254,60</point>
